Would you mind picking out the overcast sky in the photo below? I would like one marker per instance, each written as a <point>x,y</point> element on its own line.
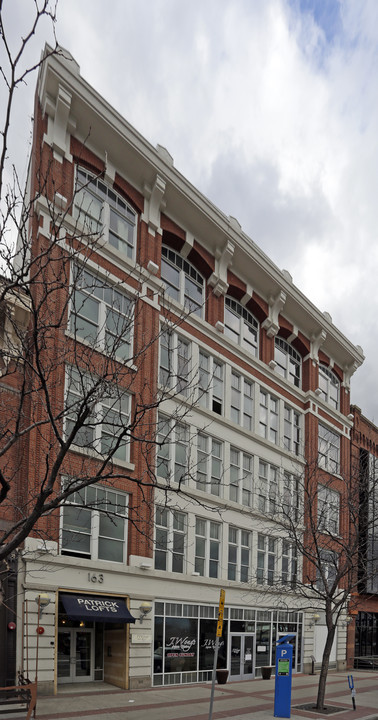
<point>270,108</point>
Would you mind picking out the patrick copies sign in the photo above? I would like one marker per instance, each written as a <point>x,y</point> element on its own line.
<point>96,608</point>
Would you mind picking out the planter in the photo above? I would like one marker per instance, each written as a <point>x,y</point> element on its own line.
<point>222,675</point>
<point>266,672</point>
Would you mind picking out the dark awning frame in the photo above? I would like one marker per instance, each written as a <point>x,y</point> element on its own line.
<point>98,608</point>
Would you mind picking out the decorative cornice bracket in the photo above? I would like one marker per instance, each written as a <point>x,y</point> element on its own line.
<point>316,342</point>
<point>223,260</point>
<point>276,304</point>
<point>59,124</point>
<point>154,205</point>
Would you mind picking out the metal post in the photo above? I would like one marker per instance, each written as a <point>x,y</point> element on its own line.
<point>213,677</point>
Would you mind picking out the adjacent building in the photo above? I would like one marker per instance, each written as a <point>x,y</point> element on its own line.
<point>256,385</point>
<point>363,633</point>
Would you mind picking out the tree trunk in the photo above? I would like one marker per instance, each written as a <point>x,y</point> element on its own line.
<point>325,665</point>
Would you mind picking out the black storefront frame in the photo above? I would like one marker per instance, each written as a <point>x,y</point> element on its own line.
<point>182,667</point>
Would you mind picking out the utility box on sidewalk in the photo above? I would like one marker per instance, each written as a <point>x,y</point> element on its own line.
<point>282,689</point>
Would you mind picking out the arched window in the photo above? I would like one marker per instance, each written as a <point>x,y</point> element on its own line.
<point>183,282</point>
<point>103,211</point>
<point>241,326</point>
<point>329,385</point>
<point>289,361</point>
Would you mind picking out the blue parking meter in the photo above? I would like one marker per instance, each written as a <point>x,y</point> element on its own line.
<point>282,689</point>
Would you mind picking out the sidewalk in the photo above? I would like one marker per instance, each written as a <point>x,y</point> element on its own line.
<point>249,700</point>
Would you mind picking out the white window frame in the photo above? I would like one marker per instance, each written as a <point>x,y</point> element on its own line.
<point>115,314</point>
<point>187,277</point>
<point>210,382</point>
<point>209,464</point>
<point>289,563</point>
<point>207,555</point>
<point>329,385</point>
<point>239,554</point>
<point>288,361</point>
<point>290,496</point>
<point>107,507</point>
<point>242,401</point>
<point>292,430</point>
<point>175,354</point>
<point>171,528</point>
<point>173,447</point>
<point>328,561</point>
<point>328,510</point>
<point>328,449</point>
<point>241,477</point>
<point>269,409</point>
<point>104,211</point>
<point>109,412</point>
<point>241,326</point>
<point>266,559</point>
<point>268,488</point>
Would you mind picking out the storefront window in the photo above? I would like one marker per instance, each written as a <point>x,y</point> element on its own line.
<point>262,644</point>
<point>180,644</point>
<point>208,630</point>
<point>185,636</point>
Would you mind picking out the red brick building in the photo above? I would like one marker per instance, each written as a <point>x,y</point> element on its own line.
<point>363,632</point>
<point>256,387</point>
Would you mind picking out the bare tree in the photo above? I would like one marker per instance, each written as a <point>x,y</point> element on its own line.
<point>325,523</point>
<point>79,389</point>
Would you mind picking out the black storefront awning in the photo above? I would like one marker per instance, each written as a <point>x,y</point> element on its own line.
<point>96,608</point>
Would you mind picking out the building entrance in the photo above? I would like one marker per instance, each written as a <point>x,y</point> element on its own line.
<point>241,656</point>
<point>75,655</point>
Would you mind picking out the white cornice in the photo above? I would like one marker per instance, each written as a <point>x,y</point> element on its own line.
<point>139,162</point>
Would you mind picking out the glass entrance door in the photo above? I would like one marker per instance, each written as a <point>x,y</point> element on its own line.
<point>75,655</point>
<point>242,656</point>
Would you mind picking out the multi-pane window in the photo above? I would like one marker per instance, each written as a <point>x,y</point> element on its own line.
<point>327,570</point>
<point>328,510</point>
<point>241,477</point>
<point>94,524</point>
<point>209,464</point>
<point>241,401</point>
<point>292,430</point>
<point>289,564</point>
<point>239,554</point>
<point>105,429</point>
<point>101,314</point>
<point>183,282</point>
<point>210,383</point>
<point>172,450</point>
<point>170,540</point>
<point>103,211</point>
<point>241,326</point>
<point>267,488</point>
<point>329,385</point>
<point>268,417</point>
<point>207,548</point>
<point>175,360</point>
<point>290,496</point>
<point>328,449</point>
<point>288,361</point>
<point>266,559</point>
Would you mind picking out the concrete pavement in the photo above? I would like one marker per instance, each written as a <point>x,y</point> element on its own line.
<point>248,700</point>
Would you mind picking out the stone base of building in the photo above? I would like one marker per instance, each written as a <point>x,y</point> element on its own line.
<point>138,683</point>
<point>341,664</point>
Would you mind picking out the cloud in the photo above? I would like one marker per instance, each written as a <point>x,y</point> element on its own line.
<point>271,110</point>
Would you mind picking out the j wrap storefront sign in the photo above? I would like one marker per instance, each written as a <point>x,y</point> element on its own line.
<point>96,608</point>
